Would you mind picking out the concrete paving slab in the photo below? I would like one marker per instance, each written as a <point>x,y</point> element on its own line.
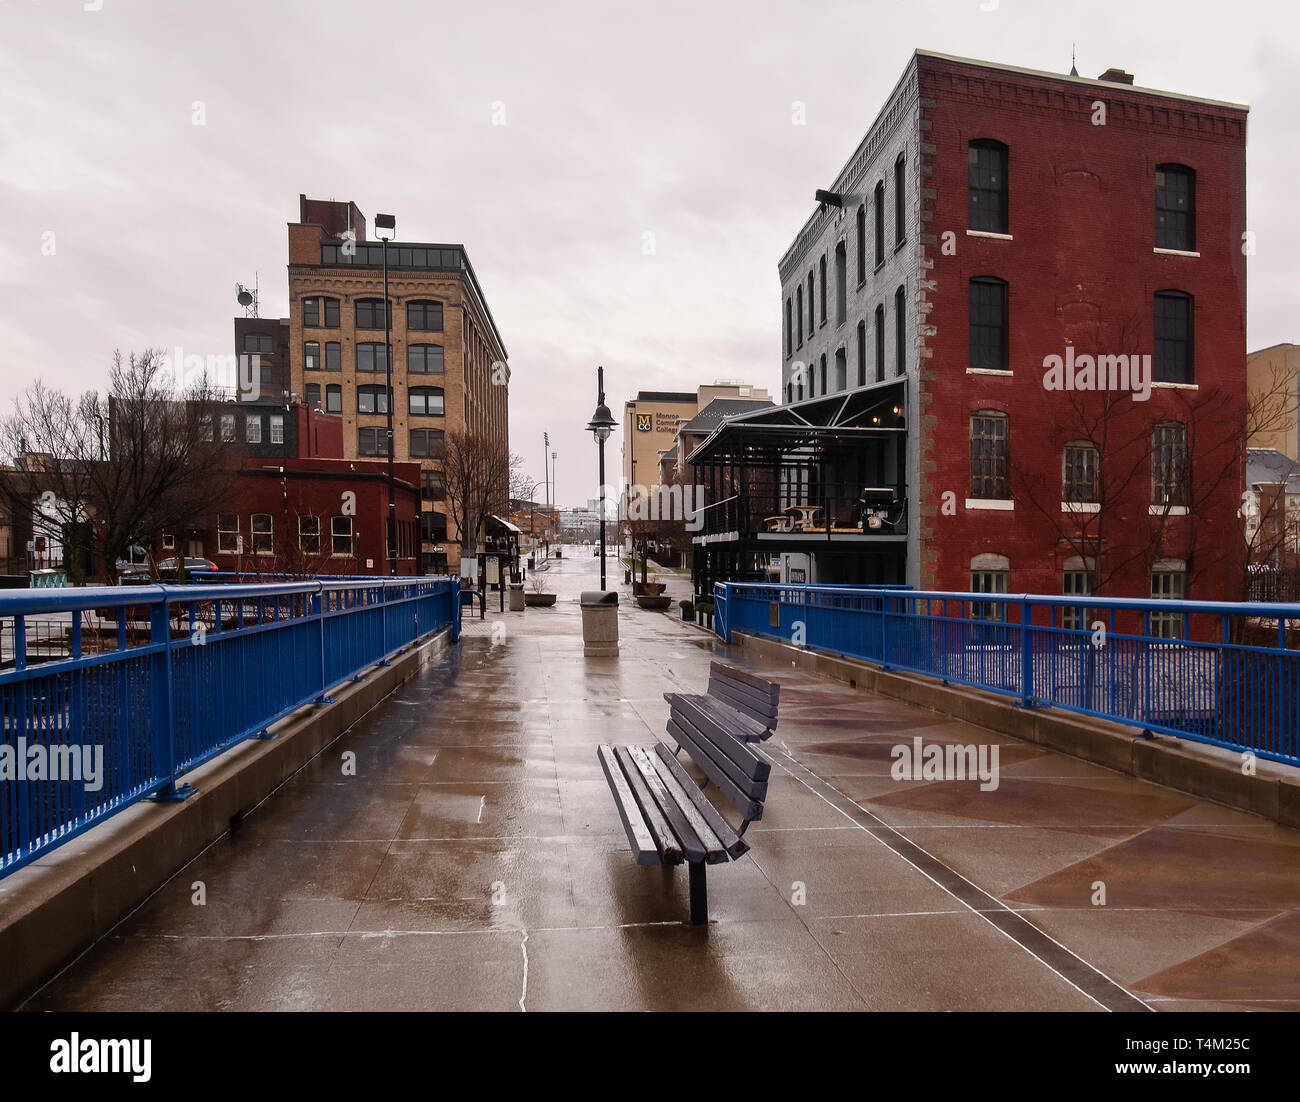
<point>476,862</point>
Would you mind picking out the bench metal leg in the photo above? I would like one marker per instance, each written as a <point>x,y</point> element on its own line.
<point>699,894</point>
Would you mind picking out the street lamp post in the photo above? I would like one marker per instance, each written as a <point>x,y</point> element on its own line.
<point>600,426</point>
<point>389,223</point>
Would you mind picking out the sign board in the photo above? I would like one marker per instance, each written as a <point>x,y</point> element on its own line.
<point>492,569</point>
<point>644,422</point>
<point>239,545</point>
<point>469,568</point>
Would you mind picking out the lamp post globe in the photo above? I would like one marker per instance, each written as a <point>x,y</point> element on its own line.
<point>600,426</point>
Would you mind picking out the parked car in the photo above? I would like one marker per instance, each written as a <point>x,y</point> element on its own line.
<point>168,570</point>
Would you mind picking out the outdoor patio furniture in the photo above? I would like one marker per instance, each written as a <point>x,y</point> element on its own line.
<point>665,813</point>
<point>780,523</point>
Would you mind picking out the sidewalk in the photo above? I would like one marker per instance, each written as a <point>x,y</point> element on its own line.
<point>476,862</point>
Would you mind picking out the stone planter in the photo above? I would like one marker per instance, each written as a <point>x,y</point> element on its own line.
<point>539,600</point>
<point>654,603</point>
<point>688,613</point>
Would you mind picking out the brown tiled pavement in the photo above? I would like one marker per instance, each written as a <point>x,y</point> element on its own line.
<point>476,862</point>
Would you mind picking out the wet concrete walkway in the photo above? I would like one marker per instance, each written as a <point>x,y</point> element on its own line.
<point>476,862</point>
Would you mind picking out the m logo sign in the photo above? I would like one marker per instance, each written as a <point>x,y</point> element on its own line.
<point>643,422</point>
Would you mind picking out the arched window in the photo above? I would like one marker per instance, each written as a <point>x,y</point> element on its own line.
<point>821,272</point>
<point>370,313</point>
<point>426,315</point>
<point>989,573</point>
<point>425,401</point>
<point>798,309</point>
<point>987,185</point>
<point>988,324</point>
<point>372,399</point>
<point>1175,208</point>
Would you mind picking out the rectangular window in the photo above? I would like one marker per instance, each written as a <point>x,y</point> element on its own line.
<point>333,356</point>
<point>987,186</point>
<point>311,356</point>
<point>333,398</point>
<point>862,353</point>
<point>821,273</point>
<point>426,443</point>
<point>812,310</point>
<point>862,245</point>
<point>1175,208</point>
<point>789,331</point>
<point>425,316</point>
<point>900,202</point>
<point>841,284</point>
<point>880,344</point>
<point>798,300</point>
<point>1079,482</point>
<point>1167,585</point>
<point>263,537</point>
<point>432,486</point>
<point>372,356</point>
<point>1078,583</point>
<point>1169,464</point>
<point>340,535</point>
<point>253,429</point>
<point>988,581</point>
<point>311,313</point>
<point>228,427</point>
<point>313,395</point>
<point>169,541</point>
<point>1172,362</point>
<point>257,342</point>
<point>370,313</point>
<point>372,399</point>
<point>424,359</point>
<point>227,533</point>
<point>988,457</point>
<point>371,440</point>
<point>425,401</point>
<point>331,313</point>
<point>988,325</point>
<point>880,223</point>
<point>309,535</point>
<point>900,331</point>
<point>277,429</point>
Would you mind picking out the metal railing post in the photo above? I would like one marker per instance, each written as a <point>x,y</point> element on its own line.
<point>162,701</point>
<point>1026,655</point>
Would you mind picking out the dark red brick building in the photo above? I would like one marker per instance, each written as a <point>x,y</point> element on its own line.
<point>1014,350</point>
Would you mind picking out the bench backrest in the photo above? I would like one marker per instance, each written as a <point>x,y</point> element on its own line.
<point>747,693</point>
<point>740,773</point>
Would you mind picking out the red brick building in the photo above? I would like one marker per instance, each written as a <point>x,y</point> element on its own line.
<point>1014,352</point>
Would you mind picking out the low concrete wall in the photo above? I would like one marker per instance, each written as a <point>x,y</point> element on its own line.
<point>55,908</point>
<point>1207,772</point>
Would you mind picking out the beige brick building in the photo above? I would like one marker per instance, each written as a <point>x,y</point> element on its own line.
<point>1273,390</point>
<point>450,368</point>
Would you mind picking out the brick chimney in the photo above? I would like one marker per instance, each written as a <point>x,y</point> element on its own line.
<point>1117,76</point>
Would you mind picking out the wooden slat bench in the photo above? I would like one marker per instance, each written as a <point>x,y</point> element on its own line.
<point>744,697</point>
<point>665,813</point>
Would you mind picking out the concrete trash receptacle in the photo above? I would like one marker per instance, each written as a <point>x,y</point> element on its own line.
<point>516,596</point>
<point>600,623</point>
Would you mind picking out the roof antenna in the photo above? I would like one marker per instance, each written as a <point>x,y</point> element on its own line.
<point>1074,72</point>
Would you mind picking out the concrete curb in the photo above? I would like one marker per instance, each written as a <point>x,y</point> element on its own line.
<point>55,908</point>
<point>1206,772</point>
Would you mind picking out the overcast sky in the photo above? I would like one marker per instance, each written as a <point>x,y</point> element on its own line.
<point>621,120</point>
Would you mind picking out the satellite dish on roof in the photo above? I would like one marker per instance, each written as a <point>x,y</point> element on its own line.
<point>244,298</point>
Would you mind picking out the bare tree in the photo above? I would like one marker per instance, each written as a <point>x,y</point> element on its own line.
<point>121,467</point>
<point>476,469</point>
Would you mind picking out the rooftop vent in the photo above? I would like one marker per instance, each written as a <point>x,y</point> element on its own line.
<point>1117,76</point>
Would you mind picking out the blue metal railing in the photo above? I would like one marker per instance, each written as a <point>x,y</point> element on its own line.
<point>110,695</point>
<point>1213,672</point>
